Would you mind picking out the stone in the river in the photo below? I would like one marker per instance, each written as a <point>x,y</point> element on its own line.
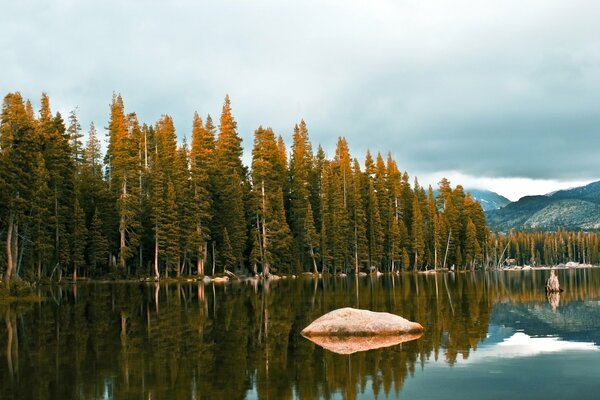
<point>354,322</point>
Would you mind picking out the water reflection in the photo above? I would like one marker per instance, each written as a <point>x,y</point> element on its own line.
<point>354,344</point>
<point>553,299</point>
<point>520,344</point>
<point>212,341</point>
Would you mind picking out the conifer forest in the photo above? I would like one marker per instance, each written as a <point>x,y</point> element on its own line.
<point>151,206</point>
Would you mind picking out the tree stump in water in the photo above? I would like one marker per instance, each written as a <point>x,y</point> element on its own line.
<point>553,286</point>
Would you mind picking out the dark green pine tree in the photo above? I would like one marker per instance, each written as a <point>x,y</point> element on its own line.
<point>61,179</point>
<point>231,175</point>
<point>123,168</point>
<point>299,193</point>
<point>311,238</point>
<point>79,239</point>
<point>385,210</point>
<point>201,162</point>
<point>326,217</point>
<point>267,194</point>
<point>417,235</point>
<point>40,220</point>
<point>96,202</point>
<point>358,220</point>
<point>375,233</point>
<point>171,227</point>
<point>74,137</point>
<point>97,244</point>
<point>19,164</point>
<point>228,259</point>
<point>161,174</point>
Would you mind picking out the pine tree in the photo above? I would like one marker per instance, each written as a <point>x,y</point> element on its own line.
<point>74,137</point>
<point>418,239</point>
<point>375,233</point>
<point>40,215</point>
<point>231,175</point>
<point>228,259</point>
<point>124,171</point>
<point>79,239</point>
<point>311,237</point>
<point>18,145</point>
<point>268,201</point>
<point>299,191</point>
<point>170,226</point>
<point>97,248</point>
<point>356,211</point>
<point>201,159</point>
<point>95,201</point>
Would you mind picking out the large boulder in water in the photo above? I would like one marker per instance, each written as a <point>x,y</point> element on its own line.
<point>354,322</point>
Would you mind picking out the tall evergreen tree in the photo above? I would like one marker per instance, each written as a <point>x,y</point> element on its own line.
<point>201,161</point>
<point>231,175</point>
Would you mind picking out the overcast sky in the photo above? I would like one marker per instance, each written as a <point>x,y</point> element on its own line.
<point>500,94</point>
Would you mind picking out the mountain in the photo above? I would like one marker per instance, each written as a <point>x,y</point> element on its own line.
<point>577,208</point>
<point>489,200</point>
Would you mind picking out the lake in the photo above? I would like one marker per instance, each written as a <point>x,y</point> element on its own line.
<point>488,335</point>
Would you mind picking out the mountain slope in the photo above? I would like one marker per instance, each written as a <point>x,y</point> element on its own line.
<point>577,208</point>
<point>569,214</point>
<point>489,200</point>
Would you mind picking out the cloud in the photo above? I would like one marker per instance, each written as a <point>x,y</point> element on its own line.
<point>504,89</point>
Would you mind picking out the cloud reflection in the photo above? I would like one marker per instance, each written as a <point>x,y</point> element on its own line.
<point>522,345</point>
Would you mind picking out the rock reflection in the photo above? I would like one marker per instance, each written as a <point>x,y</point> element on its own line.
<point>243,339</point>
<point>553,299</point>
<point>354,344</point>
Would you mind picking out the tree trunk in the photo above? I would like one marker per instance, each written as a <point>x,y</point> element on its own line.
<point>156,272</point>
<point>447,247</point>
<point>214,258</point>
<point>264,232</point>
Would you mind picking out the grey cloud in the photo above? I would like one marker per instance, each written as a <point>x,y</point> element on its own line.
<point>502,89</point>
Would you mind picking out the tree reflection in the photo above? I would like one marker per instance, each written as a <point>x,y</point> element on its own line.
<point>226,341</point>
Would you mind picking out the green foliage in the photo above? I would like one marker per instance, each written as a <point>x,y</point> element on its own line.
<point>161,205</point>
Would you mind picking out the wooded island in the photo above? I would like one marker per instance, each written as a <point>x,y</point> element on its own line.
<point>151,206</point>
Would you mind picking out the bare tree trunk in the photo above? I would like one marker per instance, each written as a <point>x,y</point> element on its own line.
<point>214,258</point>
<point>202,247</point>
<point>264,234</point>
<point>156,272</point>
<point>355,245</point>
<point>312,255</point>
<point>447,247</point>
<point>122,243</point>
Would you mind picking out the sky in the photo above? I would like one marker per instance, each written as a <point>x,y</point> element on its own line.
<point>502,95</point>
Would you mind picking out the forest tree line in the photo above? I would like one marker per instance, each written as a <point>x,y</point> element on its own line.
<point>537,248</point>
<point>152,206</point>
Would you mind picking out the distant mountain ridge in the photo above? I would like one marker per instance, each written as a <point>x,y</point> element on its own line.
<point>489,200</point>
<point>577,208</point>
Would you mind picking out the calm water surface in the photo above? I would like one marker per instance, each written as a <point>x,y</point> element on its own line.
<point>488,335</point>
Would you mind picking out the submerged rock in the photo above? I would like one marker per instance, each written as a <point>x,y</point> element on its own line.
<point>354,344</point>
<point>354,322</point>
<point>553,285</point>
